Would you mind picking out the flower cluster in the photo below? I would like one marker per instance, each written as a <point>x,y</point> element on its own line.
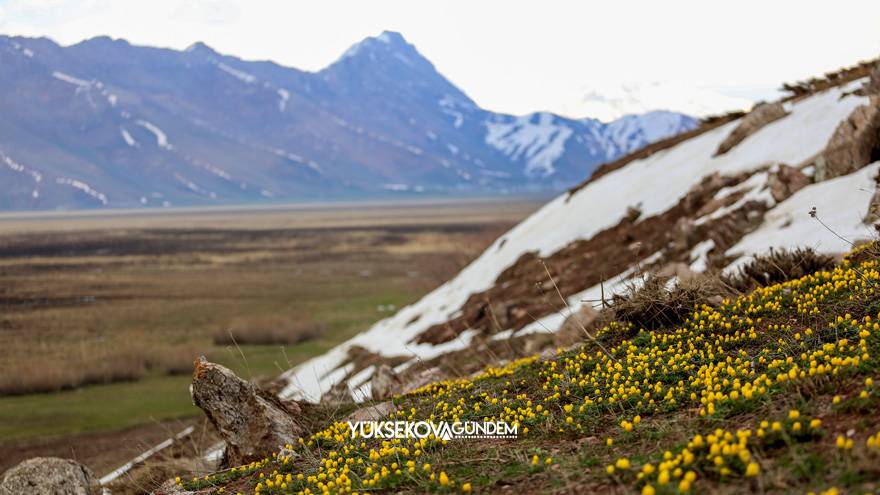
<point>722,359</point>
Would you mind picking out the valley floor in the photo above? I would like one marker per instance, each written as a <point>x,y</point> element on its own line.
<point>114,308</point>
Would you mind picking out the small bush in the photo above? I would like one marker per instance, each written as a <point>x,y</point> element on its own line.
<point>268,330</point>
<point>779,265</point>
<point>655,305</point>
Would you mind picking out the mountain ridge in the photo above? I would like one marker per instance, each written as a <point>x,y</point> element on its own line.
<point>143,126</point>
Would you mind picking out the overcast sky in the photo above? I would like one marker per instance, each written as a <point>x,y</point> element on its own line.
<point>509,55</point>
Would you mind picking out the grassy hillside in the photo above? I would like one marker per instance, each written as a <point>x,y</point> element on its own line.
<point>772,391</point>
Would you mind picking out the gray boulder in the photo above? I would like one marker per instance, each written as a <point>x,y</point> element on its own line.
<point>252,424</point>
<point>49,476</point>
<point>785,181</point>
<point>855,142</point>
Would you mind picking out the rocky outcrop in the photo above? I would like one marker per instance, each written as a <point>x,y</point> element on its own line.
<point>873,215</point>
<point>251,424</point>
<point>573,328</point>
<point>785,181</point>
<point>171,488</point>
<point>872,86</point>
<point>385,383</point>
<point>854,144</point>
<point>760,116</point>
<point>49,476</point>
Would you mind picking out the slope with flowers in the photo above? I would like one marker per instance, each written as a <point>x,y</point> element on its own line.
<point>686,203</point>
<point>771,391</point>
<point>703,358</point>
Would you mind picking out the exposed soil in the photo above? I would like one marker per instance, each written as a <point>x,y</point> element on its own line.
<point>106,451</point>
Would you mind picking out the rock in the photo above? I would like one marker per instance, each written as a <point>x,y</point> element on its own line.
<point>785,181</point>
<point>171,488</point>
<point>49,476</point>
<point>572,329</point>
<point>855,143</point>
<point>252,424</point>
<point>337,395</point>
<point>760,116</point>
<point>423,378</point>
<point>385,383</point>
<point>873,214</point>
<point>872,86</point>
<point>633,213</point>
<point>375,412</point>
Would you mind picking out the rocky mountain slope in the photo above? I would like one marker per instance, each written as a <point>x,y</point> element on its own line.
<point>107,124</point>
<point>729,191</point>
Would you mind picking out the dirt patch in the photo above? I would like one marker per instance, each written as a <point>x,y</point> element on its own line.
<point>106,451</point>
<point>801,89</point>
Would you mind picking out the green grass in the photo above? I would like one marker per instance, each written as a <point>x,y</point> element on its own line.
<point>116,406</point>
<point>172,302</point>
<point>95,408</point>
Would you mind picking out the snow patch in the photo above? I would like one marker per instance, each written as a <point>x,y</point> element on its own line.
<point>18,167</point>
<point>699,254</point>
<point>282,103</point>
<point>84,187</point>
<point>238,74</point>
<point>70,79</point>
<point>161,137</point>
<point>841,203</point>
<point>129,140</point>
<point>536,139</point>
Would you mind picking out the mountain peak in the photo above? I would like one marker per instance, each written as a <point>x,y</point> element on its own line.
<point>390,42</point>
<point>391,37</point>
<point>102,41</point>
<point>200,47</point>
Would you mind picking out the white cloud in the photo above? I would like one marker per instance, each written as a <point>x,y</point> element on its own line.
<point>612,100</point>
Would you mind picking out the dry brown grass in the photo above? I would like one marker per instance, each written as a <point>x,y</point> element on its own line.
<point>96,364</point>
<point>779,265</point>
<point>269,330</point>
<point>655,304</point>
<point>81,307</point>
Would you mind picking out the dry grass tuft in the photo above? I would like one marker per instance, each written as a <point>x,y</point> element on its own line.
<point>145,479</point>
<point>779,265</point>
<point>660,303</point>
<point>269,330</point>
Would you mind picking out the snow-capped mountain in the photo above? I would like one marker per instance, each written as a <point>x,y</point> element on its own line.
<point>103,123</point>
<point>608,102</point>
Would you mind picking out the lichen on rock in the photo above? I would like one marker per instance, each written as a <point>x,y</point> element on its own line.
<point>49,476</point>
<point>251,424</point>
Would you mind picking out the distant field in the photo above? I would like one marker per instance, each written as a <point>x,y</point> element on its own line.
<point>126,302</point>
